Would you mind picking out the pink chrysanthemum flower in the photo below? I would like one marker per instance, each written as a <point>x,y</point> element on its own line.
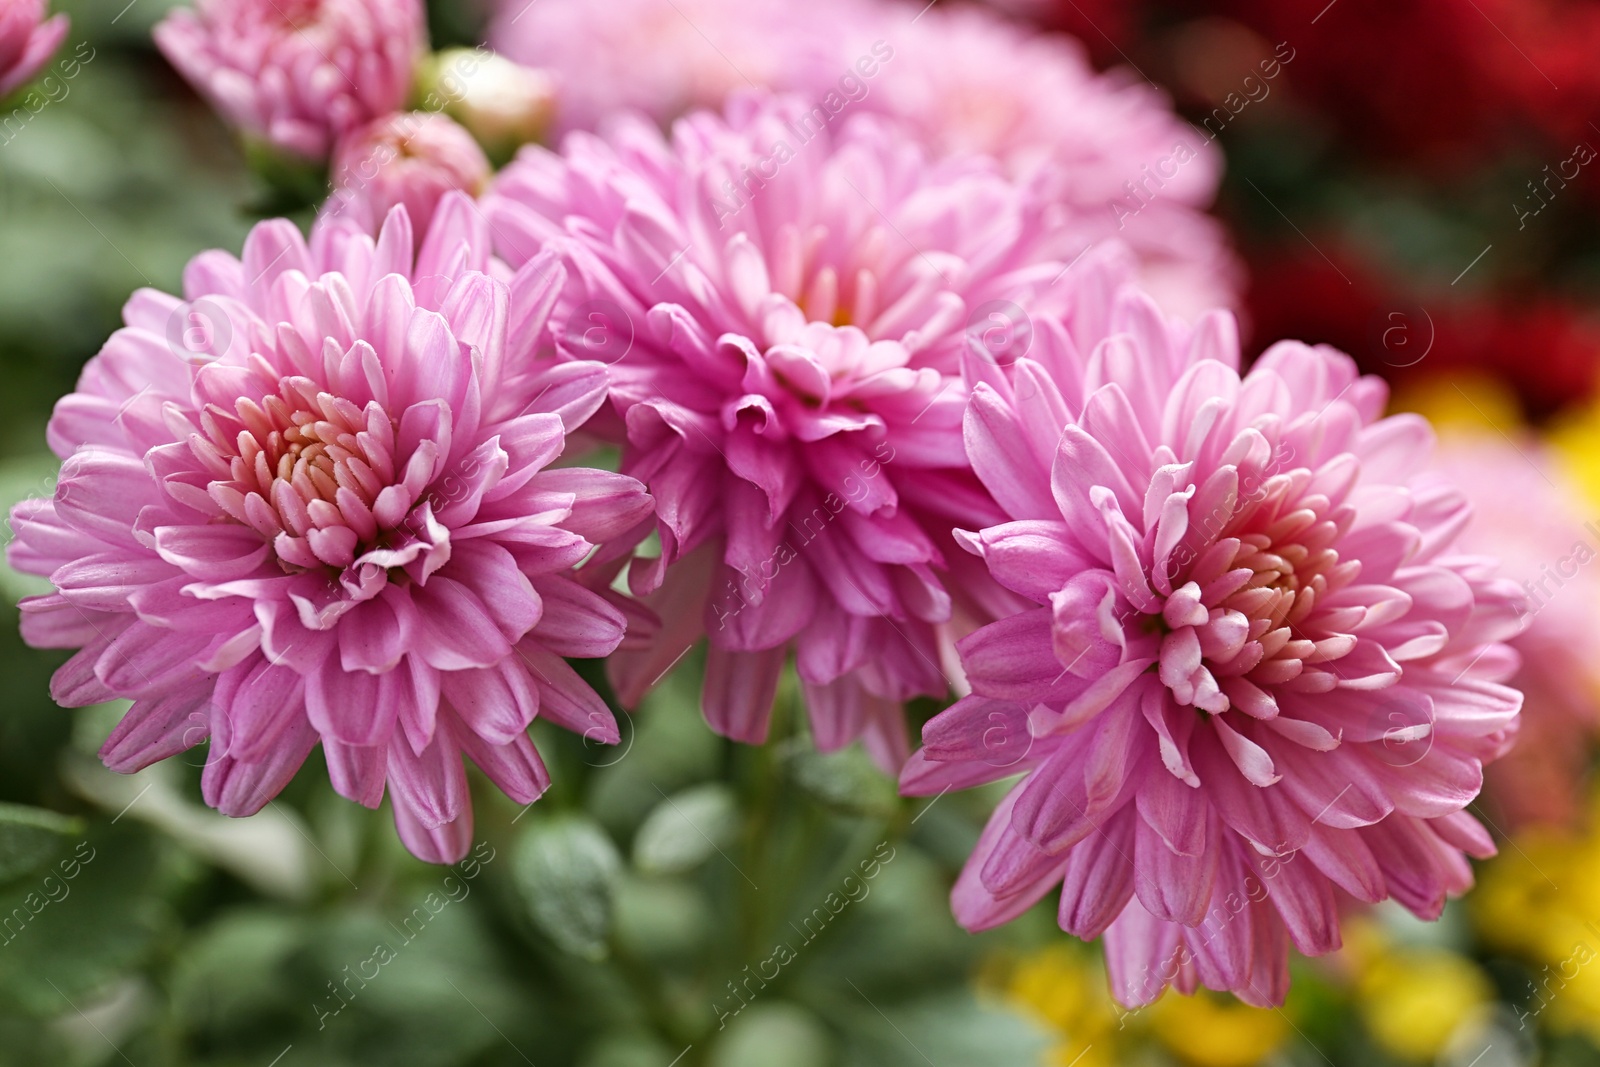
<point>786,308</point>
<point>27,41</point>
<point>1109,146</point>
<point>298,74</point>
<point>1106,146</point>
<point>1548,545</point>
<point>413,158</point>
<point>309,501</point>
<point>1257,681</point>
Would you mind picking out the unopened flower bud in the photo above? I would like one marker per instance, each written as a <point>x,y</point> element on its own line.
<point>412,158</point>
<point>504,104</point>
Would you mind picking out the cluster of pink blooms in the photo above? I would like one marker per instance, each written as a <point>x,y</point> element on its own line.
<point>1106,149</point>
<point>314,79</point>
<point>891,390</point>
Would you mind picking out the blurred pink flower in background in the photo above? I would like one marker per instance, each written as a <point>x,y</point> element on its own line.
<point>412,158</point>
<point>786,305</point>
<point>1258,679</point>
<point>668,57</point>
<point>1527,513</point>
<point>309,502</point>
<point>1106,147</point>
<point>27,41</point>
<point>298,74</point>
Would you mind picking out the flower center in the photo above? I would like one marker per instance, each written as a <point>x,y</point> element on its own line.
<point>841,280</point>
<point>303,467</point>
<point>1242,623</point>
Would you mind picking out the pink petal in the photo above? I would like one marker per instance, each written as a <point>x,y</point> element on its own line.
<point>566,699</point>
<point>516,767</point>
<point>457,630</point>
<point>241,789</point>
<point>430,787</point>
<point>739,690</point>
<point>976,907</point>
<point>346,706</point>
<point>1172,886</point>
<point>357,773</point>
<point>259,701</point>
<point>159,727</point>
<point>1099,879</point>
<point>577,622</point>
<point>496,703</point>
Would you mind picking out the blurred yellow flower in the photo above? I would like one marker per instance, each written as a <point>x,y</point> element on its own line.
<point>1414,999</point>
<point>1576,436</point>
<point>1525,897</point>
<point>1540,899</point>
<point>1212,1030</point>
<point>1566,993</point>
<point>1065,990</point>
<point>1461,400</point>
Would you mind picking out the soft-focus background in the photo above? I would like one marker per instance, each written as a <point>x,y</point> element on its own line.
<point>1403,188</point>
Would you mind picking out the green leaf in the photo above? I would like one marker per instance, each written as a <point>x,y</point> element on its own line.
<point>229,976</point>
<point>778,1034</point>
<point>90,920</point>
<point>627,1050</point>
<point>662,918</point>
<point>685,830</point>
<point>566,870</point>
<point>24,1043</point>
<point>423,989</point>
<point>29,836</point>
<point>847,781</point>
<point>952,1030</point>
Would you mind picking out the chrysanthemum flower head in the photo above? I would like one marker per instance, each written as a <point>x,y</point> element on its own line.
<point>27,41</point>
<point>1257,679</point>
<point>787,305</point>
<point>312,501</point>
<point>1105,146</point>
<point>298,74</point>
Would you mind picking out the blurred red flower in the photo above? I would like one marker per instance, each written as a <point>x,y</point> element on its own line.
<point>1543,346</point>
